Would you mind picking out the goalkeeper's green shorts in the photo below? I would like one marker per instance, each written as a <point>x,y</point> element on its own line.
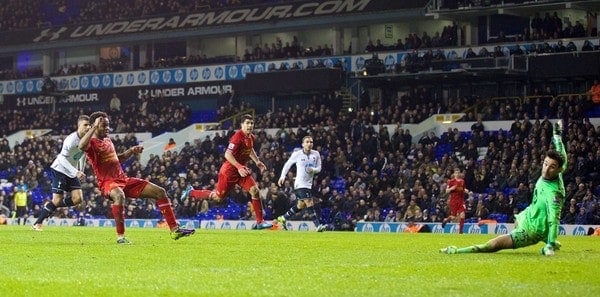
<point>522,238</point>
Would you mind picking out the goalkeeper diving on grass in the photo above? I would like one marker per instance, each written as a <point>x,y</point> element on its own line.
<point>539,221</point>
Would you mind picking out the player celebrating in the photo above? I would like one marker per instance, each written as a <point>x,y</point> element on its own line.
<point>235,172</point>
<point>113,182</point>
<point>67,173</point>
<point>456,202</point>
<point>539,221</point>
<point>308,164</point>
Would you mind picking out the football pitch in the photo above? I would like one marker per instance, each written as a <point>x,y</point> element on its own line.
<point>86,261</point>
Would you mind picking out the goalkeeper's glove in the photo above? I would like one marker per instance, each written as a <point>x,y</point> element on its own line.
<point>558,127</point>
<point>549,249</point>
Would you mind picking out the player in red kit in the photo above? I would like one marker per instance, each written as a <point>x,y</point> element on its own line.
<point>113,182</point>
<point>456,202</point>
<point>234,171</point>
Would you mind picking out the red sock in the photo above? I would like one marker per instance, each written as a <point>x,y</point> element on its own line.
<point>117,211</point>
<point>461,225</point>
<point>257,206</point>
<point>200,194</point>
<point>164,205</point>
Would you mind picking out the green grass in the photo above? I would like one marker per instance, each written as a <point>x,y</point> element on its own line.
<point>86,261</point>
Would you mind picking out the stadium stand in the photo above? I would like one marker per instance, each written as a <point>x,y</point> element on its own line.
<point>367,170</point>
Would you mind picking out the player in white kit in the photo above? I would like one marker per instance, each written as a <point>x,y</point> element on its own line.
<point>67,173</point>
<point>308,164</point>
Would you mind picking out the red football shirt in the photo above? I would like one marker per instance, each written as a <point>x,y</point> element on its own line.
<point>102,156</point>
<point>459,192</point>
<point>240,146</point>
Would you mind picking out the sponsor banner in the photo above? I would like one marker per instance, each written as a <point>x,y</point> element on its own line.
<point>26,101</point>
<point>206,73</point>
<point>131,78</point>
<point>495,229</point>
<point>87,82</point>
<point>328,62</point>
<point>167,76</point>
<point>358,62</point>
<point>390,59</point>
<point>25,86</point>
<point>181,75</point>
<point>247,225</point>
<point>240,16</point>
<point>101,97</point>
<point>129,223</point>
<point>239,71</point>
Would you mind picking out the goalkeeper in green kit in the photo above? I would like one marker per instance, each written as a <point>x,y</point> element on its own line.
<point>539,221</point>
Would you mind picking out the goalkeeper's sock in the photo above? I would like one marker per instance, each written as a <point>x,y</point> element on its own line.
<point>479,248</point>
<point>200,194</point>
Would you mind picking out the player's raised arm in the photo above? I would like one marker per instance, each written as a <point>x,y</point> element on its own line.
<point>84,142</point>
<point>134,150</point>
<point>555,201</point>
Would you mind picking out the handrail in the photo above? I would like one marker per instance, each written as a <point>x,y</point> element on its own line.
<point>234,118</point>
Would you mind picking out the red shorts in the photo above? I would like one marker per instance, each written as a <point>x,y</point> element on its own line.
<point>132,186</point>
<point>229,177</point>
<point>457,206</point>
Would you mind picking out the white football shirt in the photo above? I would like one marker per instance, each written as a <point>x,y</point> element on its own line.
<point>304,180</point>
<point>69,161</point>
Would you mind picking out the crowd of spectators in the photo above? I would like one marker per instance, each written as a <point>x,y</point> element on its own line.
<point>368,174</point>
<point>153,114</point>
<point>275,51</point>
<point>448,38</point>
